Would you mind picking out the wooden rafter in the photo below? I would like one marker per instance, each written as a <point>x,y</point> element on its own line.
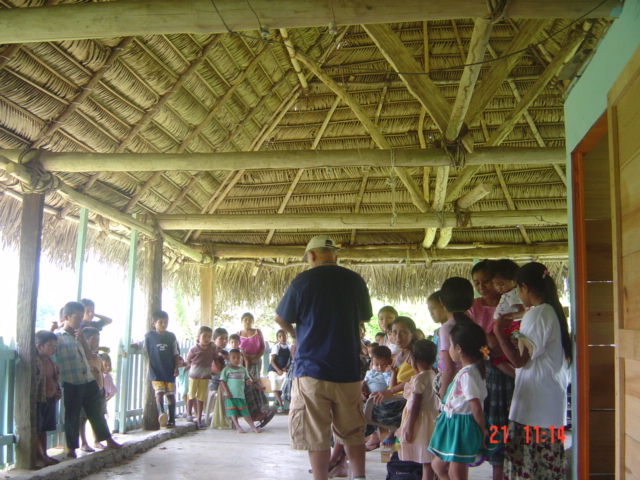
<point>121,19</point>
<point>285,201</point>
<point>294,61</point>
<point>371,128</point>
<point>478,45</point>
<point>419,85</point>
<point>24,174</point>
<point>397,253</point>
<point>499,71</point>
<point>510,203</point>
<point>360,220</point>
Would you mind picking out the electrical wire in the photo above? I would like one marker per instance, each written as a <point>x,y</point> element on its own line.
<point>394,72</point>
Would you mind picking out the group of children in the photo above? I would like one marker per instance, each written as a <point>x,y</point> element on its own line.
<point>444,425</point>
<point>70,354</point>
<point>210,366</point>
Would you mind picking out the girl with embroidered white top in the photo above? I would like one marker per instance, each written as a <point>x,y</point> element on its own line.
<point>538,411</point>
<point>461,435</point>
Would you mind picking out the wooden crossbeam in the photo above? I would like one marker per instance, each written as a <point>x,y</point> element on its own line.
<point>150,17</point>
<point>24,174</point>
<point>420,86</point>
<point>394,253</point>
<point>477,47</point>
<point>259,160</point>
<point>357,220</point>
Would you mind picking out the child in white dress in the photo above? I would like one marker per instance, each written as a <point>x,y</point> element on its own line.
<point>419,415</point>
<point>460,434</point>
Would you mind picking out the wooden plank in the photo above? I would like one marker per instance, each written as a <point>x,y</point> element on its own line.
<point>632,370</point>
<point>118,19</point>
<point>630,205</point>
<point>596,181</point>
<point>632,459</point>
<point>628,112</point>
<point>601,382</point>
<point>599,256</point>
<point>81,245</point>
<point>632,418</point>
<point>601,442</point>
<point>628,343</point>
<point>358,220</point>
<point>28,276</point>
<point>631,296</point>
<point>600,313</point>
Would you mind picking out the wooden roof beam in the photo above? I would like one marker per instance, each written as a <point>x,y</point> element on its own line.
<point>372,129</point>
<point>81,162</point>
<point>150,17</point>
<point>477,48</point>
<point>393,252</point>
<point>292,56</point>
<point>25,175</point>
<point>530,32</point>
<point>418,84</point>
<point>357,220</point>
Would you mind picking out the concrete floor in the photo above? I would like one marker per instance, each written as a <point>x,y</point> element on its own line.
<point>226,455</point>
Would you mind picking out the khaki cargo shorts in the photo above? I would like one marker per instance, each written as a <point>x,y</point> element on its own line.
<point>317,406</point>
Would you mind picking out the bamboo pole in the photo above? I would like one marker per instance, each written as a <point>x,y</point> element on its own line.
<point>398,253</point>
<point>23,174</point>
<point>357,220</point>
<point>150,17</point>
<point>268,159</point>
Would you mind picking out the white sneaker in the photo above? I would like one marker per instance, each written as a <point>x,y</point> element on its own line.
<point>162,418</point>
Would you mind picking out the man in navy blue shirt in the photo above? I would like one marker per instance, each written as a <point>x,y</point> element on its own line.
<point>326,303</point>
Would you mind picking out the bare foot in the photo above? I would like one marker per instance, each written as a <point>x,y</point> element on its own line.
<point>111,444</point>
<point>240,430</point>
<point>71,453</point>
<point>339,471</point>
<point>87,448</point>
<point>51,461</point>
<point>256,430</point>
<point>98,445</point>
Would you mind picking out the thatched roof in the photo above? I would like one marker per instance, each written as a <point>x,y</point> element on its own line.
<point>297,90</point>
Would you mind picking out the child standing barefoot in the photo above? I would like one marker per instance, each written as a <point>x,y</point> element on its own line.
<point>201,357</point>
<point>419,416</point>
<point>232,381</point>
<point>460,432</point>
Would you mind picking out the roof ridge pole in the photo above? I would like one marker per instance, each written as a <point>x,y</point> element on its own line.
<point>81,245</point>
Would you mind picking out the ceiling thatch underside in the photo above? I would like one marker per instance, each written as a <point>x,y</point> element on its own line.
<point>229,92</point>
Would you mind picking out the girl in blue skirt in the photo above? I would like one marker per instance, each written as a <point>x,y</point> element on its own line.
<point>460,434</point>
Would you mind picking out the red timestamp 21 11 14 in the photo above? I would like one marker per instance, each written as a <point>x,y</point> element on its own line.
<point>533,434</point>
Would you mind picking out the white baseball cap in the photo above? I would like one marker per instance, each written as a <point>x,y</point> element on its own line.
<point>320,241</point>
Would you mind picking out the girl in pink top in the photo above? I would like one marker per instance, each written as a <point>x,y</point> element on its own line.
<point>252,342</point>
<point>499,385</point>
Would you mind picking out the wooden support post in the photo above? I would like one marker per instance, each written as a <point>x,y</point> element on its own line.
<point>28,277</point>
<point>81,245</point>
<point>207,296</point>
<point>153,296</point>
<point>124,374</point>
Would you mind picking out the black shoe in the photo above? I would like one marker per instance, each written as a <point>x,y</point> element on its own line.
<point>170,425</point>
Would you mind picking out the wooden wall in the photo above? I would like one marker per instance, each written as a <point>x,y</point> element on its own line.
<point>624,138</point>
<point>599,263</point>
